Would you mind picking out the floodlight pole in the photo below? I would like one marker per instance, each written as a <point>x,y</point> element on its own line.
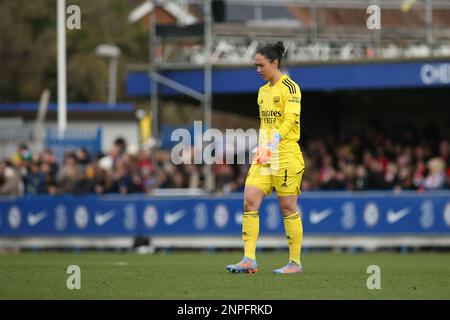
<point>62,73</point>
<point>112,53</point>
<point>153,84</point>
<point>209,178</point>
<point>112,83</point>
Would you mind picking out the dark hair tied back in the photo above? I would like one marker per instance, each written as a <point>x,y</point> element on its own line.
<point>279,48</point>
<point>273,52</point>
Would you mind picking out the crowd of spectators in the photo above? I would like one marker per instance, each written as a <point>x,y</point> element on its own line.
<point>402,158</point>
<point>374,160</point>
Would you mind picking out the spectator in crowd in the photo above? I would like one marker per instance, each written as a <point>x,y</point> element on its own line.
<point>117,151</point>
<point>361,180</point>
<point>10,184</point>
<point>49,162</point>
<point>23,155</point>
<point>225,178</point>
<point>34,180</point>
<point>95,179</point>
<point>436,178</point>
<point>379,159</point>
<point>192,173</point>
<point>71,175</point>
<point>146,167</point>
<point>444,153</point>
<point>83,156</point>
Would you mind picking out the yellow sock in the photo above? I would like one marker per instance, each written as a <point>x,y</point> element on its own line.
<point>250,232</point>
<point>294,234</point>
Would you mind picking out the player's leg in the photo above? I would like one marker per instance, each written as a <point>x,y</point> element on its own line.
<point>253,196</point>
<point>288,188</point>
<point>257,185</point>
<point>294,231</point>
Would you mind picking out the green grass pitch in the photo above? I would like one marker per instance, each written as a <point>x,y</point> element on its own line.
<point>203,276</point>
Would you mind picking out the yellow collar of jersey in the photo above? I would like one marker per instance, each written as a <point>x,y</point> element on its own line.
<point>283,76</point>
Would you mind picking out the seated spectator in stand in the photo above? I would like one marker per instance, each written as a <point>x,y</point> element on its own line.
<point>51,185</point>
<point>146,167</point>
<point>391,176</point>
<point>328,176</point>
<point>34,181</point>
<point>83,156</point>
<point>375,175</point>
<point>361,181</point>
<point>10,184</point>
<point>95,179</point>
<point>123,180</point>
<point>192,173</point>
<point>444,152</point>
<point>115,154</point>
<point>71,175</point>
<point>178,180</point>
<point>224,177</point>
<point>419,175</point>
<point>22,155</point>
<point>436,177</point>
<point>406,179</point>
<point>49,161</point>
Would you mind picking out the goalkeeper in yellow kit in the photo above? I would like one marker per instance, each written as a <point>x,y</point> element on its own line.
<point>278,162</point>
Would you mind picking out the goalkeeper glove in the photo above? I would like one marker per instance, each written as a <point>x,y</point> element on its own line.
<point>264,153</point>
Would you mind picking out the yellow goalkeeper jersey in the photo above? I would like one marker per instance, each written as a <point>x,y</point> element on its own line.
<point>275,102</point>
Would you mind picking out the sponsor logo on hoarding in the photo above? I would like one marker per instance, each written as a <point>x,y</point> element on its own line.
<point>221,216</point>
<point>394,216</point>
<point>171,218</point>
<point>316,217</point>
<point>129,219</point>
<point>14,217</point>
<point>150,216</point>
<point>447,214</point>
<point>60,217</point>
<point>427,216</point>
<point>200,216</point>
<point>81,217</point>
<point>34,218</point>
<point>348,219</point>
<point>272,216</point>
<point>102,218</point>
<point>371,214</point>
<point>238,217</point>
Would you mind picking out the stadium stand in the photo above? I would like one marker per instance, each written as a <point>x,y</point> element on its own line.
<point>377,159</point>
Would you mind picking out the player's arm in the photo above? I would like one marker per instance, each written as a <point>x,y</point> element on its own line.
<point>291,113</point>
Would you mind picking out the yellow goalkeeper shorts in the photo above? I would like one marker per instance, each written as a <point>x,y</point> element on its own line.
<point>286,178</point>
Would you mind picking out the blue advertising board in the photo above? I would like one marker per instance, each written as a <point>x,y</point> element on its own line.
<point>344,76</point>
<point>323,213</point>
